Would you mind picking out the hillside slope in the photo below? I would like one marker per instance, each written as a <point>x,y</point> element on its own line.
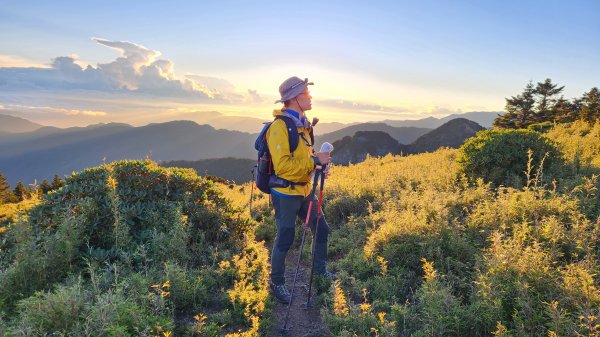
<point>40,156</point>
<point>13,124</point>
<point>131,248</point>
<point>451,134</point>
<point>403,135</point>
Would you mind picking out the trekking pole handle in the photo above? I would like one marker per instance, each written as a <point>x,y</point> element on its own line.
<point>326,147</point>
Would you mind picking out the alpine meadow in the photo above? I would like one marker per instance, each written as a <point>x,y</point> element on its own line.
<point>499,237</point>
<point>386,168</point>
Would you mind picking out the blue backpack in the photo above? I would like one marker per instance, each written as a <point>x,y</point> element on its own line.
<point>265,176</point>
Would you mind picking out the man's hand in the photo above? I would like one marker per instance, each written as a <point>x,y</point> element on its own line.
<point>323,158</point>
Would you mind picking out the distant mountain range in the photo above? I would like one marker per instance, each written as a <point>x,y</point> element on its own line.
<point>483,118</point>
<point>246,123</point>
<point>14,124</point>
<point>217,120</point>
<point>404,135</point>
<point>376,143</point>
<point>233,169</point>
<point>451,134</point>
<point>41,154</point>
<point>46,151</point>
<point>356,148</point>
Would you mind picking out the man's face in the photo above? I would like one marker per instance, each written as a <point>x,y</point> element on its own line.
<point>305,100</point>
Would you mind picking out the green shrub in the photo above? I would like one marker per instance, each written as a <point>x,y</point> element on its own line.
<point>52,312</point>
<point>509,157</point>
<point>147,244</point>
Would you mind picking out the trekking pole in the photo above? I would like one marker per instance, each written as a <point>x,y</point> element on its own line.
<point>326,147</point>
<point>305,229</point>
<point>314,241</point>
<point>252,187</point>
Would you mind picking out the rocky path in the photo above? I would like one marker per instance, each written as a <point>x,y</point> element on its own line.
<point>302,321</point>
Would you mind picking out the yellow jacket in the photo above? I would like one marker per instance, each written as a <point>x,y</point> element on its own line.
<point>295,167</point>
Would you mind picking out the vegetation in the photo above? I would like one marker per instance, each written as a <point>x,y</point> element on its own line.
<point>422,248</point>
<point>498,238</point>
<point>132,249</point>
<point>506,157</point>
<point>541,104</point>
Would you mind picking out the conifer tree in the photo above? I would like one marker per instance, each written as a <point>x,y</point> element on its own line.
<point>590,109</point>
<point>565,111</point>
<point>545,101</point>
<point>57,182</point>
<point>6,195</point>
<point>21,192</point>
<point>519,110</point>
<point>44,187</point>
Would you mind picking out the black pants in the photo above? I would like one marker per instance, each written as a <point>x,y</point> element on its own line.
<point>287,209</point>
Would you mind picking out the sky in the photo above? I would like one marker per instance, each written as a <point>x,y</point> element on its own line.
<point>74,63</point>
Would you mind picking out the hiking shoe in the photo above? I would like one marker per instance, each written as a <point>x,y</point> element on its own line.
<point>281,292</point>
<point>329,275</point>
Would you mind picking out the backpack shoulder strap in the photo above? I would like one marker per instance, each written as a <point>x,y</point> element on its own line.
<point>292,131</point>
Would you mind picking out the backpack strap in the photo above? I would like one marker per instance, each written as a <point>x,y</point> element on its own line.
<point>292,132</point>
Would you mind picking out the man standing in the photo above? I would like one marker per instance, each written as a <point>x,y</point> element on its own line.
<point>296,169</point>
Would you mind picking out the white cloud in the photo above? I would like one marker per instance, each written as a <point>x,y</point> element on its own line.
<point>138,70</point>
<point>350,105</point>
<point>213,84</point>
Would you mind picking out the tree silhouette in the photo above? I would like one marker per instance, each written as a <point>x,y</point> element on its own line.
<point>6,195</point>
<point>21,192</point>
<point>519,110</point>
<point>545,102</point>
<point>57,182</point>
<point>44,187</point>
<point>540,104</point>
<point>590,109</point>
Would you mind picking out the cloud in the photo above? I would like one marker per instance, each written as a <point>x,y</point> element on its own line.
<point>362,107</point>
<point>254,97</point>
<point>213,84</point>
<point>138,70</point>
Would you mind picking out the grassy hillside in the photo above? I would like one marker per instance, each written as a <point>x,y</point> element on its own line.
<point>421,250</point>
<point>133,249</point>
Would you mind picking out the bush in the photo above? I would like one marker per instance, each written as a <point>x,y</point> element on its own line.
<point>146,244</point>
<point>509,157</point>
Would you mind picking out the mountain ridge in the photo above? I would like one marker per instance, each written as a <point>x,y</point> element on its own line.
<point>14,124</point>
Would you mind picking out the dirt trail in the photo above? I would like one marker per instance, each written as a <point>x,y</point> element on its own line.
<point>302,322</point>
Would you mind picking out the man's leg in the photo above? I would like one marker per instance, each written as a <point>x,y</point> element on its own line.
<point>322,234</point>
<point>286,209</point>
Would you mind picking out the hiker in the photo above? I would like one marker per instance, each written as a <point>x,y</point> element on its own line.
<point>296,168</point>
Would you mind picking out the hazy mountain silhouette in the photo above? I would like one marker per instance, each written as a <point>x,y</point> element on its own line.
<point>483,118</point>
<point>451,134</point>
<point>377,143</point>
<point>403,135</point>
<point>47,151</point>
<point>247,124</point>
<point>40,156</point>
<point>14,124</point>
<point>233,169</point>
<point>355,149</point>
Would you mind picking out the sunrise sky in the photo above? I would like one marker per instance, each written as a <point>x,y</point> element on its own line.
<point>68,63</point>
